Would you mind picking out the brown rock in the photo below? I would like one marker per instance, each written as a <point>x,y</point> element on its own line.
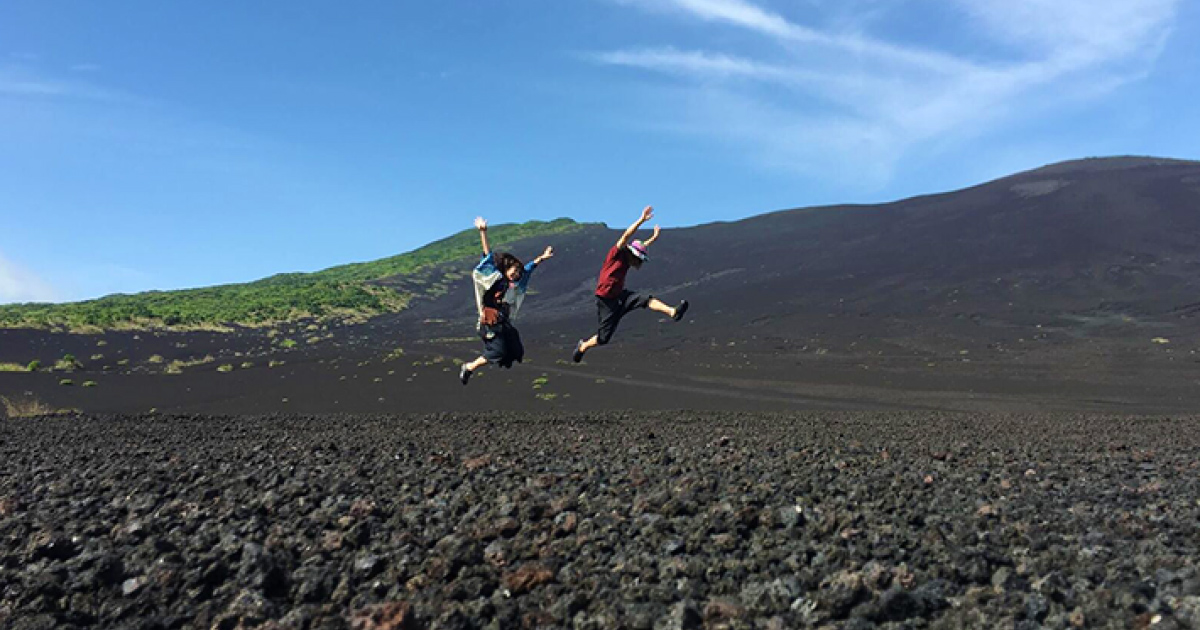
<point>722,608</point>
<point>506,527</point>
<point>387,616</point>
<point>332,541</point>
<point>362,508</point>
<point>475,463</point>
<point>527,578</point>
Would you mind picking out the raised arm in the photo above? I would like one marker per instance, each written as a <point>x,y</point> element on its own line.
<point>650,241</point>
<point>546,255</point>
<point>481,224</point>
<point>647,214</point>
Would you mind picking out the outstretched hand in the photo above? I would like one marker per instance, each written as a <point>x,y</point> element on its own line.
<point>656,231</point>
<point>549,253</point>
<point>481,224</point>
<point>647,213</point>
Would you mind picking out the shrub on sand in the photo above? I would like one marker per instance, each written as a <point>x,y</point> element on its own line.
<point>25,408</point>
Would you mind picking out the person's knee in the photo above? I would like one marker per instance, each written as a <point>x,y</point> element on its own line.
<point>603,337</point>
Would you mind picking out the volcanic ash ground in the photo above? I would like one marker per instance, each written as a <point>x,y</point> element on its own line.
<point>640,521</point>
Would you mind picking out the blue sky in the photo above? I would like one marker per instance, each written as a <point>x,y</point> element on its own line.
<point>155,145</point>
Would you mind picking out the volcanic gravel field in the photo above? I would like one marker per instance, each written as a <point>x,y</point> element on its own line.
<point>641,521</point>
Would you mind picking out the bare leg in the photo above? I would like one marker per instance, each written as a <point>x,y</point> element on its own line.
<point>659,306</point>
<point>468,369</point>
<point>592,342</point>
<point>476,364</point>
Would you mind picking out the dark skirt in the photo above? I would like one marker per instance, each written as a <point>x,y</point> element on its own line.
<point>501,344</point>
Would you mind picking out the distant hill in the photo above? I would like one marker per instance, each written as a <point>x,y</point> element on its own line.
<point>1077,244</point>
<point>344,292</point>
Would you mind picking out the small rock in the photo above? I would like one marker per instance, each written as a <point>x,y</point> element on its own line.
<point>387,616</point>
<point>565,523</point>
<point>723,608</point>
<point>131,586</point>
<point>527,578</point>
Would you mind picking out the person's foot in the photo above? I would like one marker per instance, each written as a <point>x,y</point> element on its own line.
<point>680,310</point>
<point>464,374</point>
<point>578,356</point>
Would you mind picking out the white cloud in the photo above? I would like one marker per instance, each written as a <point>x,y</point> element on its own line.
<point>838,97</point>
<point>18,82</point>
<point>18,284</point>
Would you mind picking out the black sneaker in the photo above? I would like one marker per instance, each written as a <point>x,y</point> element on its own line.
<point>464,374</point>
<point>578,356</point>
<point>680,310</point>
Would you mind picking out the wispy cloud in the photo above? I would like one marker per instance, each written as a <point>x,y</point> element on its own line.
<point>18,284</point>
<point>16,82</point>
<point>849,92</point>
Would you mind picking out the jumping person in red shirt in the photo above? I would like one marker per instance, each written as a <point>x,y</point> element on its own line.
<point>613,300</point>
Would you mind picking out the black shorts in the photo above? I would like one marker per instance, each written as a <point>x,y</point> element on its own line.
<point>501,344</point>
<point>611,310</point>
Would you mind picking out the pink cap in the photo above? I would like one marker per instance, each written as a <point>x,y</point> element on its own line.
<point>639,249</point>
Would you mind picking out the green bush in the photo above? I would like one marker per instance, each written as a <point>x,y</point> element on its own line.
<point>343,290</point>
<point>34,365</point>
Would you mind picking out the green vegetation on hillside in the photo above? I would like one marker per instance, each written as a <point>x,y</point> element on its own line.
<point>342,291</point>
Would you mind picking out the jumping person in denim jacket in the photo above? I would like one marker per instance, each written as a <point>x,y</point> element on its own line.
<point>500,285</point>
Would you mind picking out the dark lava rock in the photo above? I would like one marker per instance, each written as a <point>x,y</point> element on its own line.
<point>757,521</point>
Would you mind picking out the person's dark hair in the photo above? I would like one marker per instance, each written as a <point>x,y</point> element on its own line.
<point>630,258</point>
<point>505,260</point>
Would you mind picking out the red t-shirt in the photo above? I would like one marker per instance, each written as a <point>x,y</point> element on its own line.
<point>612,274</point>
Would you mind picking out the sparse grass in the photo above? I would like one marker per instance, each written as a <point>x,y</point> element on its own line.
<point>123,362</point>
<point>225,368</point>
<point>101,343</point>
<point>66,382</point>
<point>177,366</point>
<point>275,363</point>
<point>25,408</point>
<point>89,383</point>
<point>546,396</point>
<point>540,382</point>
<point>287,343</point>
<point>97,357</point>
<point>247,365</point>
<point>13,367</point>
<point>155,359</point>
<point>394,355</point>
<point>67,364</point>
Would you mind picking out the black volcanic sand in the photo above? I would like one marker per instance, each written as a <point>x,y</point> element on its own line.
<point>653,520</point>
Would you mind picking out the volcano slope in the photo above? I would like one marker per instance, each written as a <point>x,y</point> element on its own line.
<point>717,520</point>
<point>1070,287</point>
